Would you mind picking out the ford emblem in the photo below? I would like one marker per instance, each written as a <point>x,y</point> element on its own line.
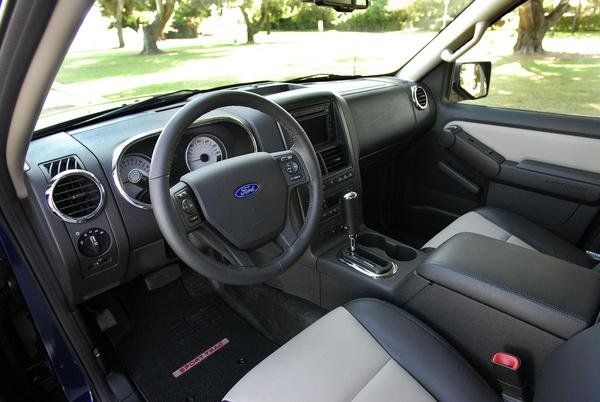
<point>246,190</point>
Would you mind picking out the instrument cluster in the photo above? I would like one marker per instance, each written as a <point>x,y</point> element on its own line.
<point>202,145</point>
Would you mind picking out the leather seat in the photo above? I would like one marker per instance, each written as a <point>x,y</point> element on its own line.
<point>512,228</point>
<point>370,350</point>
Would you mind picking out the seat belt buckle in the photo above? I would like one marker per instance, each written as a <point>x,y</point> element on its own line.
<point>507,369</point>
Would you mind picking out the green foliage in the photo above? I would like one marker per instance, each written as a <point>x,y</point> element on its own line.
<point>429,14</point>
<point>586,23</point>
<point>376,18</point>
<point>187,18</point>
<point>305,17</point>
<point>108,8</point>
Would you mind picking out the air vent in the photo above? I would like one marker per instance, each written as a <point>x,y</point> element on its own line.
<point>419,97</point>
<point>334,159</point>
<point>75,196</point>
<point>52,168</point>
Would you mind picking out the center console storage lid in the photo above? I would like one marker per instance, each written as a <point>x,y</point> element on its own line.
<point>551,294</point>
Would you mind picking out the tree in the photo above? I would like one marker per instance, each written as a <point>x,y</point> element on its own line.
<point>187,17</point>
<point>434,14</point>
<point>163,9</point>
<point>254,19</point>
<point>120,13</point>
<point>533,25</point>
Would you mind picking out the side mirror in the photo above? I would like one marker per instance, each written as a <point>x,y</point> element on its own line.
<point>343,5</point>
<point>472,80</point>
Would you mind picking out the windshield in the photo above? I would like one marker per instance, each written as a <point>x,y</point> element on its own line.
<point>127,50</point>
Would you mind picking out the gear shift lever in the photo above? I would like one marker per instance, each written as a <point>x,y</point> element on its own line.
<point>350,201</point>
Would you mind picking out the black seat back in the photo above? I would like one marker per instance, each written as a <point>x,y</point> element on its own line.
<point>572,373</point>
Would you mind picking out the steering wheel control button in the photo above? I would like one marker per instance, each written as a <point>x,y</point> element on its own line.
<point>182,195</point>
<point>187,206</point>
<point>93,242</point>
<point>292,167</point>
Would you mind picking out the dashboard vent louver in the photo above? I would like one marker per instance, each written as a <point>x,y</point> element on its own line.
<point>333,158</point>
<point>52,168</point>
<point>75,196</point>
<point>419,96</point>
<point>321,164</point>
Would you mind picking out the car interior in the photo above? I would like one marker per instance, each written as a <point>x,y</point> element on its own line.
<point>331,239</point>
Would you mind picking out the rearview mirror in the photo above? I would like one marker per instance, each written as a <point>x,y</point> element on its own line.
<point>472,79</point>
<point>344,5</point>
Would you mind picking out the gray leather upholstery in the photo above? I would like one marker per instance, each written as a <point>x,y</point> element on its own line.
<point>368,350</point>
<point>549,293</point>
<point>511,228</point>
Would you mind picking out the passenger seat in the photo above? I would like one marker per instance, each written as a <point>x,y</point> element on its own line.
<point>512,228</point>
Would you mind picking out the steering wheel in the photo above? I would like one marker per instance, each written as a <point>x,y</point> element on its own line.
<point>239,204</point>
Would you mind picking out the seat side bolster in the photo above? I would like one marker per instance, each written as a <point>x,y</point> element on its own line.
<point>473,222</point>
<point>435,364</point>
<point>536,236</point>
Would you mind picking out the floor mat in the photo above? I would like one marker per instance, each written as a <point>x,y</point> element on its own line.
<point>171,328</point>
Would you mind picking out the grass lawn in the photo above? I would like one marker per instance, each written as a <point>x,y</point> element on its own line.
<point>117,63</point>
<point>555,82</point>
<point>567,85</point>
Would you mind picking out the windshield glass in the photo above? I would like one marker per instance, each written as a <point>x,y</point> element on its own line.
<point>127,50</point>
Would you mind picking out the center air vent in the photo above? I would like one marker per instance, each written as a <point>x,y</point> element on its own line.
<point>419,96</point>
<point>334,159</point>
<point>52,168</point>
<point>75,196</point>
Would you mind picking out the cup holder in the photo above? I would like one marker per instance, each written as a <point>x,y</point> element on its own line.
<point>395,251</point>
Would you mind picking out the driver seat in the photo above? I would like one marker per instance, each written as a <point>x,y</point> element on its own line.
<point>367,350</point>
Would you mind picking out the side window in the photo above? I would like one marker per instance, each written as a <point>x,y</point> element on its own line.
<point>545,57</point>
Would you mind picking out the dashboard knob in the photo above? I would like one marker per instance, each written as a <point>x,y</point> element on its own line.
<point>93,242</point>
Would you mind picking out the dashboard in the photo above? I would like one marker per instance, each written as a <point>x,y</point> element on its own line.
<point>89,193</point>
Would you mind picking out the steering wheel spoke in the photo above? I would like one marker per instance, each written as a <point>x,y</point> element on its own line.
<point>292,167</point>
<point>207,236</point>
<point>287,237</point>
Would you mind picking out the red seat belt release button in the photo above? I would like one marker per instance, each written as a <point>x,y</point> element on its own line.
<point>507,360</point>
<point>507,369</point>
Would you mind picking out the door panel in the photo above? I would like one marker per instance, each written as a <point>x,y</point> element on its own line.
<point>519,144</point>
<point>548,167</point>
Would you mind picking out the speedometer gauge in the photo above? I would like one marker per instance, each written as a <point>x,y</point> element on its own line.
<point>133,172</point>
<point>203,150</point>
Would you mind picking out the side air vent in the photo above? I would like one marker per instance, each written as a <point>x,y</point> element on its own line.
<point>52,168</point>
<point>419,97</point>
<point>334,159</point>
<point>75,196</point>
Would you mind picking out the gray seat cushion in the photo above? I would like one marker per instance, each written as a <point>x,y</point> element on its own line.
<point>368,350</point>
<point>512,228</point>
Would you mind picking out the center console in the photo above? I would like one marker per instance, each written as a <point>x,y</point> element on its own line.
<point>487,296</point>
<point>323,125</point>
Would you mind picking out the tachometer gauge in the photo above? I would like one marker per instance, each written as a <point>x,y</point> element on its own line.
<point>203,150</point>
<point>133,172</point>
